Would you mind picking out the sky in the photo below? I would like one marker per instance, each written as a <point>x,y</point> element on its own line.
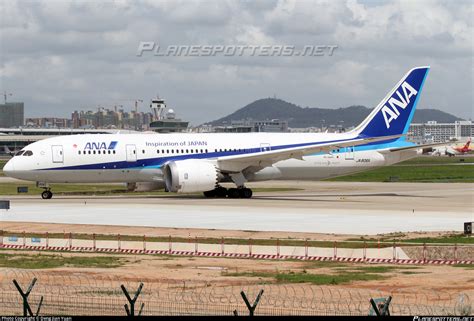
<point>61,56</point>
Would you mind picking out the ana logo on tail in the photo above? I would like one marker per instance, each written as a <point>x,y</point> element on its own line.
<point>391,113</point>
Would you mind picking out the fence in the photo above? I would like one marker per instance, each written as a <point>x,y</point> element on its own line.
<point>361,252</point>
<point>96,294</point>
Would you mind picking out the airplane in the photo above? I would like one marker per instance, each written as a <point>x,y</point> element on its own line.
<point>187,162</point>
<point>453,150</point>
<point>465,149</point>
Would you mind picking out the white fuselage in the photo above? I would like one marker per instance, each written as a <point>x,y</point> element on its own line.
<point>140,157</point>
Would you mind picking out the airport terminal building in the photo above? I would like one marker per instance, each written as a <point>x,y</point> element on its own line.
<point>433,131</point>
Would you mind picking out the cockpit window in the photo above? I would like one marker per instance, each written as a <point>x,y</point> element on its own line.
<point>19,153</point>
<point>28,153</point>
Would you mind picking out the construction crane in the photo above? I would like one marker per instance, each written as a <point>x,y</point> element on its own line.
<point>136,101</point>
<point>136,104</point>
<point>5,94</point>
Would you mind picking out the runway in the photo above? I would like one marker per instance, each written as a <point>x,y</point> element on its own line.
<point>321,207</point>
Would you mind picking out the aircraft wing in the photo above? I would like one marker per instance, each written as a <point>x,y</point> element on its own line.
<point>237,163</point>
<point>422,146</point>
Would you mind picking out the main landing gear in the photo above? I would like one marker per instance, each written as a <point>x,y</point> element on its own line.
<point>222,192</point>
<point>47,194</point>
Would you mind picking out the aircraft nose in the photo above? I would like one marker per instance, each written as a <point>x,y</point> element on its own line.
<point>9,167</point>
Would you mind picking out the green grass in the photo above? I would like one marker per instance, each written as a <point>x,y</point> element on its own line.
<point>326,279</point>
<point>340,273</point>
<point>446,239</point>
<point>379,268</point>
<point>62,189</point>
<point>437,160</point>
<point>42,261</point>
<point>101,189</point>
<point>324,264</point>
<point>340,277</point>
<point>414,173</point>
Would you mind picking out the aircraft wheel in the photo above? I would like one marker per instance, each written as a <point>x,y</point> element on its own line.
<point>233,193</point>
<point>46,195</point>
<point>210,194</point>
<point>245,193</point>
<point>221,192</point>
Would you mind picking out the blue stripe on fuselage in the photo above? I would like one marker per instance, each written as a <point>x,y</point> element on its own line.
<point>158,162</point>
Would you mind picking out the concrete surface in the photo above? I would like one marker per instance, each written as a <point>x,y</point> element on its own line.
<point>322,207</point>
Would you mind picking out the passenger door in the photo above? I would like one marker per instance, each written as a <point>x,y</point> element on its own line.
<point>350,153</point>
<point>131,151</point>
<point>57,152</point>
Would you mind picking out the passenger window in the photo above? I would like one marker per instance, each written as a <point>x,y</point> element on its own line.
<point>157,151</point>
<point>206,150</point>
<point>79,152</point>
<point>167,151</point>
<point>109,152</point>
<point>143,151</point>
<point>89,152</point>
<point>114,152</point>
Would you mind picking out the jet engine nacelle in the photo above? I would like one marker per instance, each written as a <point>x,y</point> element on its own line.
<point>191,175</point>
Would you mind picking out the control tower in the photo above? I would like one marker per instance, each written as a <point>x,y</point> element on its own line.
<point>164,120</point>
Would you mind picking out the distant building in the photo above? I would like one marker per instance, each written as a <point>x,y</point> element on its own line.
<point>48,122</point>
<point>112,119</point>
<point>250,125</point>
<point>12,115</point>
<point>435,132</point>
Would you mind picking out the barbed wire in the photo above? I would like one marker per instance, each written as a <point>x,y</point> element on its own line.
<point>86,293</point>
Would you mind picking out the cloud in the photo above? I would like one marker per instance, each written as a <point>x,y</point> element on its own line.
<point>59,56</point>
